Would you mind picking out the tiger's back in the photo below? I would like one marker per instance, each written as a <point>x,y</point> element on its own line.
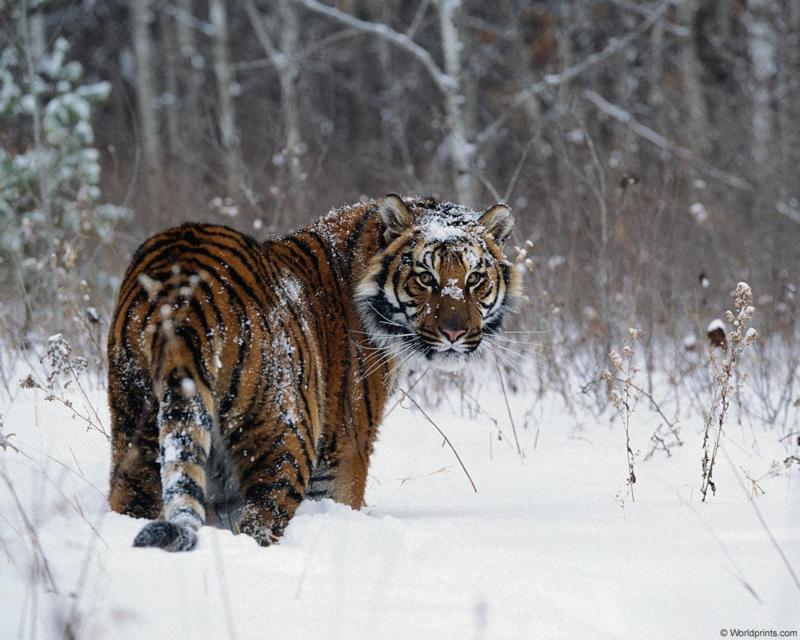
<point>246,375</point>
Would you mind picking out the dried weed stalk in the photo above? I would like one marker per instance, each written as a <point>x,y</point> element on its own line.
<point>624,395</point>
<point>723,386</point>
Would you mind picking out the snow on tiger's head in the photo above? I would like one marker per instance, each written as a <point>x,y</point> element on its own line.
<point>441,284</point>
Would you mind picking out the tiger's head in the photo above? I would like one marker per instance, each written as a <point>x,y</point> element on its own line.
<point>440,284</point>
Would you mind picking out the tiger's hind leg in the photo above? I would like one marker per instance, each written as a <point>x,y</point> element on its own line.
<point>135,485</point>
<point>184,423</point>
<point>274,459</point>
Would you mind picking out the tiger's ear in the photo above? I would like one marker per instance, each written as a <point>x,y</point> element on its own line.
<point>395,216</point>
<point>498,221</point>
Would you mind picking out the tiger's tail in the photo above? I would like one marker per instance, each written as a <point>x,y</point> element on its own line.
<point>184,434</point>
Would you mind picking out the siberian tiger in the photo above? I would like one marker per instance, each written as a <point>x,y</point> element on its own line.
<point>246,376</point>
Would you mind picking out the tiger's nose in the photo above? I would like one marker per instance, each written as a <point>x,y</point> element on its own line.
<point>454,334</point>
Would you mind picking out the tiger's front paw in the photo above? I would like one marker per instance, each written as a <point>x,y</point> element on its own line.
<point>166,535</point>
<point>259,524</point>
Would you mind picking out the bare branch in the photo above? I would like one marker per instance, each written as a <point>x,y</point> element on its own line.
<point>677,30</point>
<point>624,117</point>
<point>614,46</point>
<point>444,82</point>
<point>186,18</point>
<point>418,16</point>
<point>262,35</point>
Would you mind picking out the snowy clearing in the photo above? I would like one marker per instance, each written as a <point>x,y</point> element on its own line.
<point>545,549</point>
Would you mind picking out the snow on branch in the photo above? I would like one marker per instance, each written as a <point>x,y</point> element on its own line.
<point>443,81</point>
<point>624,117</point>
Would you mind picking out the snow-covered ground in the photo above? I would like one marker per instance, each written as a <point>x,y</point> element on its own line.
<point>552,547</point>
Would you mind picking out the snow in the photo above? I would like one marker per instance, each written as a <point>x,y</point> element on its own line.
<point>699,212</point>
<point>450,223</point>
<point>188,388</point>
<point>438,229</point>
<point>548,547</point>
<point>452,290</point>
<point>715,324</point>
<point>290,290</point>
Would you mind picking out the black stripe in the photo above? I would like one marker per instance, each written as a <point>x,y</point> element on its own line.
<point>182,487</point>
<point>274,465</point>
<point>193,343</point>
<point>282,484</point>
<point>260,495</point>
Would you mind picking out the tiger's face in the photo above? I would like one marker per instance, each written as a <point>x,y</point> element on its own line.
<point>441,284</point>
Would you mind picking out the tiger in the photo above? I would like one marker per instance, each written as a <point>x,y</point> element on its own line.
<point>246,376</point>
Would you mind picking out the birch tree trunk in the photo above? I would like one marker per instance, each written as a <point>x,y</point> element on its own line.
<point>461,151</point>
<point>141,16</point>
<point>761,44</point>
<point>170,99</point>
<point>788,105</point>
<point>655,92</point>
<point>191,80</point>
<point>290,111</point>
<point>386,142</point>
<point>229,136</point>
<point>284,62</point>
<point>692,84</point>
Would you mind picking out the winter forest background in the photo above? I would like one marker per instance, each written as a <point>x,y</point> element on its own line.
<point>650,151</point>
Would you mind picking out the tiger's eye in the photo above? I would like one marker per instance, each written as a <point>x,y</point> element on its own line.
<point>425,278</point>
<point>474,278</point>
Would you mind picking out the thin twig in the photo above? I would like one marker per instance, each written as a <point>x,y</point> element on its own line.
<point>510,415</point>
<point>446,439</point>
<point>397,403</point>
<point>442,80</point>
<point>763,522</point>
<point>37,546</point>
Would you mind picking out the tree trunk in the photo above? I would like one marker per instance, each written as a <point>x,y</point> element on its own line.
<point>171,107</point>
<point>290,111</point>
<point>141,17</point>
<point>285,63</point>
<point>461,151</point>
<point>696,110</point>
<point>655,97</point>
<point>190,80</point>
<point>761,44</point>
<point>229,136</point>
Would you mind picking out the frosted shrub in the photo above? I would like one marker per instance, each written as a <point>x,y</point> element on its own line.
<point>63,370</point>
<point>64,365</point>
<point>50,205</point>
